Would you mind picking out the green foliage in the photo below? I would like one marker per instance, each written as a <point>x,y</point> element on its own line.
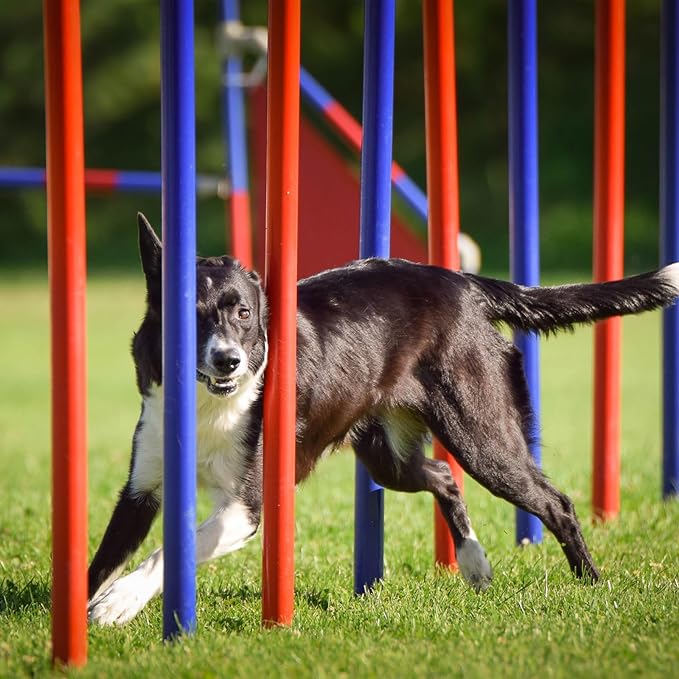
<point>534,621</point>
<point>122,117</point>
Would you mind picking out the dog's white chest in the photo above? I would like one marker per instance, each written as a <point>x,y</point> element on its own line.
<point>220,429</point>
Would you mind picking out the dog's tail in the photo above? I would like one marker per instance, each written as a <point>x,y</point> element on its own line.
<point>560,307</point>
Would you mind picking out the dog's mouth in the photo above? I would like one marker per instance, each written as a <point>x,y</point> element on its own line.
<point>219,386</point>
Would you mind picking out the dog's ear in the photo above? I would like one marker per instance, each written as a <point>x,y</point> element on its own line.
<point>263,312</point>
<point>151,252</point>
<point>263,304</point>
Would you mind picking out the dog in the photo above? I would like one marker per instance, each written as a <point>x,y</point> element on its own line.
<point>388,351</point>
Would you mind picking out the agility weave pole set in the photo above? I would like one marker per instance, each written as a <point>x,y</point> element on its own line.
<point>66,185</point>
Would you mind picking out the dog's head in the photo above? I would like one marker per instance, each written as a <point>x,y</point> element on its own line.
<point>231,315</point>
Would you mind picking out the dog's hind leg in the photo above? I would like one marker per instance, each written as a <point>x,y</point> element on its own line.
<point>397,462</point>
<point>519,481</point>
<point>490,441</point>
<point>129,525</point>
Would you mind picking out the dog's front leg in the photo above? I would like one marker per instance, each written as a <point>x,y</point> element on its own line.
<point>129,525</point>
<point>226,530</point>
<point>122,600</point>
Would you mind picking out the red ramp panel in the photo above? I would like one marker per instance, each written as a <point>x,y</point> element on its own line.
<point>329,203</point>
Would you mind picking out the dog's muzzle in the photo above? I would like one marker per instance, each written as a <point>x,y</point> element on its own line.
<point>222,367</point>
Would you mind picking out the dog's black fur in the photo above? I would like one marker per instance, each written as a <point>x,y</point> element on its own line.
<point>387,351</point>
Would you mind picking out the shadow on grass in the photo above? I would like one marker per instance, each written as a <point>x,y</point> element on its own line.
<point>318,599</point>
<point>247,593</point>
<point>16,598</point>
<point>242,593</point>
<point>229,598</point>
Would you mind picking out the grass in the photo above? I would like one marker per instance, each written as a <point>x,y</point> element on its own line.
<point>534,621</point>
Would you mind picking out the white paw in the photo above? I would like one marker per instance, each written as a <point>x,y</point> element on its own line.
<point>475,569</point>
<point>120,602</point>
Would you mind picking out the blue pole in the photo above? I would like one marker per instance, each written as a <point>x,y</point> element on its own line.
<point>523,201</point>
<point>179,315</point>
<point>669,225</point>
<point>236,147</point>
<point>375,218</point>
<point>234,110</point>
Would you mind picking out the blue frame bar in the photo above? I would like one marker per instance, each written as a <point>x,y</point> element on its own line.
<point>524,202</point>
<point>138,181</point>
<point>179,315</point>
<point>22,177</point>
<point>669,249</point>
<point>413,196</point>
<point>375,221</point>
<point>234,110</point>
<point>313,92</point>
<point>132,181</point>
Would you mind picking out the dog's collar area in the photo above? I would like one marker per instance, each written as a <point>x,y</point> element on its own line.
<point>223,386</point>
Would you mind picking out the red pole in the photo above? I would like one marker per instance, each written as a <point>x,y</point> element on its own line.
<point>442,186</point>
<point>282,176</point>
<point>241,228</point>
<point>609,199</point>
<point>67,276</point>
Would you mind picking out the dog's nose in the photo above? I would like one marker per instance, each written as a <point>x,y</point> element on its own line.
<point>225,360</point>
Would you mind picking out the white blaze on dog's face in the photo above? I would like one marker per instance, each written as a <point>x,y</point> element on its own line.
<point>229,325</point>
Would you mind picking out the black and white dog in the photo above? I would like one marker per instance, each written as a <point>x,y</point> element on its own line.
<point>388,351</point>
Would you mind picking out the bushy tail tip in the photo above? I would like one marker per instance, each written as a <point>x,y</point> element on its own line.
<point>671,274</point>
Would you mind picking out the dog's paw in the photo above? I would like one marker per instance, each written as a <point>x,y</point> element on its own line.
<point>475,569</point>
<point>120,602</point>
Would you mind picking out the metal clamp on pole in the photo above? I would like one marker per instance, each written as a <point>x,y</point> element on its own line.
<point>237,40</point>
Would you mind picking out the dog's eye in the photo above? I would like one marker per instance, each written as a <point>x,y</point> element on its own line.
<point>243,314</point>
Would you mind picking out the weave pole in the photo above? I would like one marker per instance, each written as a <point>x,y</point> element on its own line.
<point>524,216</point>
<point>179,316</point>
<point>442,187</point>
<point>609,199</point>
<point>235,136</point>
<point>282,198</point>
<point>669,225</point>
<point>67,280</point>
<point>375,223</point>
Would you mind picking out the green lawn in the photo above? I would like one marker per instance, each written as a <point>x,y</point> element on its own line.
<point>534,621</point>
